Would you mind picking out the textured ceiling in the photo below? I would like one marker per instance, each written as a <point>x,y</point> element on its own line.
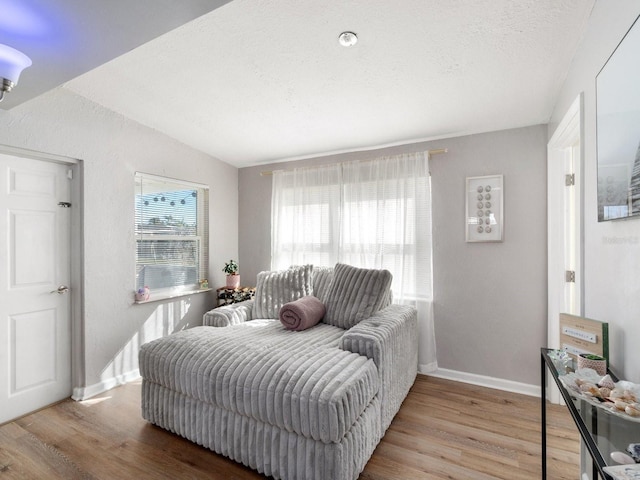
<point>257,81</point>
<point>66,38</point>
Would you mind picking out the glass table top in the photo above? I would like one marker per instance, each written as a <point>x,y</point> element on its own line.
<point>609,431</point>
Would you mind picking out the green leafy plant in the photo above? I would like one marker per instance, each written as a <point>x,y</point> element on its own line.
<point>591,356</point>
<point>231,267</point>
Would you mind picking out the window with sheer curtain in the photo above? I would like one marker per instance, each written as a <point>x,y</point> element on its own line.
<point>370,214</point>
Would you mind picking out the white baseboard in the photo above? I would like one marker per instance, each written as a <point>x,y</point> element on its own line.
<point>484,381</point>
<point>84,393</point>
<point>427,368</point>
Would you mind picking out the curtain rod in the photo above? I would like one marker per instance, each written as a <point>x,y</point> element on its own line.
<point>437,151</point>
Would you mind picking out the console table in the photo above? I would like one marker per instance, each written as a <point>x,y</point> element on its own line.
<point>601,432</point>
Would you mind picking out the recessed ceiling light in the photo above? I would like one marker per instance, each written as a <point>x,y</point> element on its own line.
<point>348,39</point>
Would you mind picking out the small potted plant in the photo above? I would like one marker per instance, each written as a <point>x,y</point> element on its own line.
<point>233,277</point>
<point>595,362</point>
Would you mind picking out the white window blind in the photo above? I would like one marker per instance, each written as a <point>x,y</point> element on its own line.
<point>172,228</point>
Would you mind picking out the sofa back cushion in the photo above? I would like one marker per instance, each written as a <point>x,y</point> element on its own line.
<point>275,288</point>
<point>322,277</point>
<point>355,294</point>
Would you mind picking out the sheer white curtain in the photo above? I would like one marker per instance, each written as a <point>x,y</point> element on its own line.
<point>373,214</point>
<point>306,216</point>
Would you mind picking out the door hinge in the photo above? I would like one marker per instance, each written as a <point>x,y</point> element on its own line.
<point>70,174</point>
<point>570,276</point>
<point>64,204</point>
<point>570,179</point>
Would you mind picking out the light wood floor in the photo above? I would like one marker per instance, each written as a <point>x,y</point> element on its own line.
<point>444,430</point>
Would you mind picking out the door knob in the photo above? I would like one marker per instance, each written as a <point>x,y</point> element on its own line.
<point>62,289</point>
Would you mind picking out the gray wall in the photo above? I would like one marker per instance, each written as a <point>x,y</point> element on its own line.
<point>490,299</point>
<point>112,148</point>
<point>611,249</point>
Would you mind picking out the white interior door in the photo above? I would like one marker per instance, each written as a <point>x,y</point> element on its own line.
<point>35,324</point>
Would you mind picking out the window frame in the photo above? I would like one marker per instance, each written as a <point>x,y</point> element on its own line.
<point>339,211</point>
<point>201,237</point>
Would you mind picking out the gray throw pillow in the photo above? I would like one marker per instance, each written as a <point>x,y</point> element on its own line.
<point>322,277</point>
<point>275,288</point>
<point>356,294</point>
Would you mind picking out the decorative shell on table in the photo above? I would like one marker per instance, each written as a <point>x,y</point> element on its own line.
<point>634,451</point>
<point>622,398</point>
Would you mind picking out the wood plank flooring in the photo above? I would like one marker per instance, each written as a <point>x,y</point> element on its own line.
<point>444,430</point>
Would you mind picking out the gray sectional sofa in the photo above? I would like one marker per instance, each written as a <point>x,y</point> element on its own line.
<point>309,404</point>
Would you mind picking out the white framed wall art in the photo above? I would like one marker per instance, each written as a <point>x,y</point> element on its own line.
<point>484,216</point>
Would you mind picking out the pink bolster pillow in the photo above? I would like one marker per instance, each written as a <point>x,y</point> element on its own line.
<point>302,314</point>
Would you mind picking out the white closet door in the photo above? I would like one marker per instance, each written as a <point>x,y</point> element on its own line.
<point>35,324</point>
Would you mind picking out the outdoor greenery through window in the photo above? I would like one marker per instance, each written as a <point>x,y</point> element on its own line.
<point>171,234</point>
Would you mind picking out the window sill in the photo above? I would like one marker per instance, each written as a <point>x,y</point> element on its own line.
<point>169,296</point>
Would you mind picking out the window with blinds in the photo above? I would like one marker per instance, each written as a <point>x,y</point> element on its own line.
<point>172,229</point>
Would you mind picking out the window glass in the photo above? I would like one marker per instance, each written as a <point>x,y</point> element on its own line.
<point>171,228</point>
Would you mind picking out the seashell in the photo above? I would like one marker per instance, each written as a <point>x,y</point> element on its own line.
<point>621,404</point>
<point>634,450</point>
<point>606,381</point>
<point>617,393</point>
<point>604,392</point>
<point>590,388</point>
<point>622,458</point>
<point>633,410</point>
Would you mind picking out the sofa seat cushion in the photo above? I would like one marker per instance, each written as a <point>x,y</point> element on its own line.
<point>299,381</point>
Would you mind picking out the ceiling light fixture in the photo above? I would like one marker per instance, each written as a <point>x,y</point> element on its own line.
<point>348,39</point>
<point>12,62</point>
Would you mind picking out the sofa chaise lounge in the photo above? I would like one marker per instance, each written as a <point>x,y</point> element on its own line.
<point>309,404</point>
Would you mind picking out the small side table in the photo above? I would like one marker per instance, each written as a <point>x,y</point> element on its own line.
<point>227,296</point>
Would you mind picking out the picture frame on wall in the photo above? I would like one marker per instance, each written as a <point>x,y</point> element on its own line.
<point>484,213</point>
<point>618,130</point>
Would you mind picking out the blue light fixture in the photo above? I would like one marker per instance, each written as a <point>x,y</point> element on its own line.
<point>12,62</point>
